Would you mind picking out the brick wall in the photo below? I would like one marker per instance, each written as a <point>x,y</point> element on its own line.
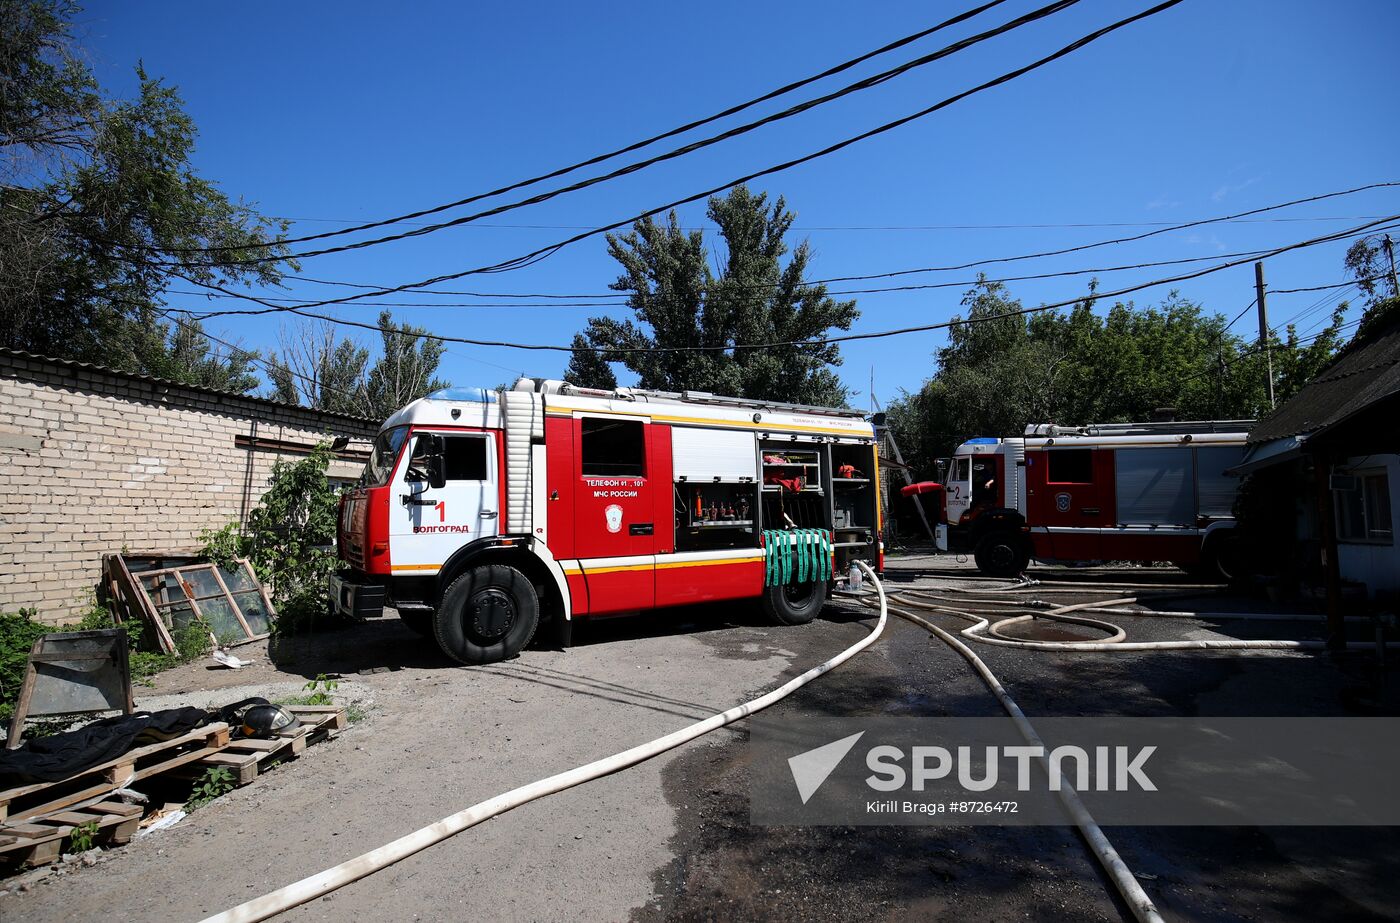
<point>92,461</point>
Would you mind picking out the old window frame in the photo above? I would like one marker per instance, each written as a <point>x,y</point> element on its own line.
<point>134,586</point>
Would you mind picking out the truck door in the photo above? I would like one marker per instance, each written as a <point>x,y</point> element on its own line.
<point>958,488</point>
<point>616,528</point>
<point>427,524</point>
<point>1070,496</point>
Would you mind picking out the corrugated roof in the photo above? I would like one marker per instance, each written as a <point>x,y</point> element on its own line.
<point>170,383</point>
<point>1366,372</point>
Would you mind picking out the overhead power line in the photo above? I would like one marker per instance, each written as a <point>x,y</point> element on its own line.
<point>638,145</point>
<point>1044,226</point>
<point>662,296</point>
<point>543,252</point>
<point>637,166</point>
<point>922,328</point>
<point>1318,288</point>
<point>371,290</point>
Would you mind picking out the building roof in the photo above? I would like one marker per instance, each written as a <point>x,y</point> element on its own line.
<point>1366,372</point>
<point>171,383</point>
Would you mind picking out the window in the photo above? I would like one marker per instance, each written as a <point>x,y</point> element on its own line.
<point>465,458</point>
<point>960,469</point>
<point>613,447</point>
<point>382,457</point>
<point>984,481</point>
<point>1070,466</point>
<point>1363,509</point>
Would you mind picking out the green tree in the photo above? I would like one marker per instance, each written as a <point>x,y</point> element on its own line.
<point>190,358</point>
<point>101,208</point>
<point>587,368</point>
<point>1005,368</point>
<point>316,370</point>
<point>404,372</point>
<point>750,296</point>
<point>1369,264</point>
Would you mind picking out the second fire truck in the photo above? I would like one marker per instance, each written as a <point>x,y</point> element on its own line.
<point>1120,491</point>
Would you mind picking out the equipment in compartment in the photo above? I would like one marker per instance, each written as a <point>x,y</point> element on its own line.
<point>715,515</point>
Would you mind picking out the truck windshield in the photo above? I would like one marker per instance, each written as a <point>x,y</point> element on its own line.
<point>382,456</point>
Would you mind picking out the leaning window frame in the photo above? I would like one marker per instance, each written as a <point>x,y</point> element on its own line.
<point>158,612</point>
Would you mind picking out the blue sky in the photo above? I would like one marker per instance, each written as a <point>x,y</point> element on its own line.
<point>346,111</point>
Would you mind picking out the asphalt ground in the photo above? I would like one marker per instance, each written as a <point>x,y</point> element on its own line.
<point>671,838</point>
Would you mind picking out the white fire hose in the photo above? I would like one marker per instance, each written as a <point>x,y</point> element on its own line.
<point>373,861</point>
<point>985,631</point>
<point>1128,886</point>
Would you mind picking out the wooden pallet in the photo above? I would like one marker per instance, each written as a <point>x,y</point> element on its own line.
<point>45,798</point>
<point>247,757</point>
<point>43,840</point>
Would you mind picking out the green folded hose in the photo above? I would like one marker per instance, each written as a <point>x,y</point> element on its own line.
<point>796,556</point>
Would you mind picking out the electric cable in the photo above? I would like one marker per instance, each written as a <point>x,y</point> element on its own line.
<point>541,253</point>
<point>372,291</point>
<point>662,296</point>
<point>880,334</point>
<point>638,166</point>
<point>636,145</point>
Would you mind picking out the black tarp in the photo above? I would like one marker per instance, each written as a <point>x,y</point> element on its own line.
<point>54,758</point>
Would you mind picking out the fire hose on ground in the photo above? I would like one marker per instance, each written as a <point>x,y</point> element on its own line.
<point>331,879</point>
<point>986,631</point>
<point>375,860</point>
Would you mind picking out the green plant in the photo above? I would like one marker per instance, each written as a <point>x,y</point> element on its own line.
<point>321,690</point>
<point>216,782</point>
<point>18,631</point>
<point>287,539</point>
<point>356,711</point>
<point>82,838</point>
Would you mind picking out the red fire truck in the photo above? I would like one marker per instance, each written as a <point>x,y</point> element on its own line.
<point>482,513</point>
<point>1120,491</point>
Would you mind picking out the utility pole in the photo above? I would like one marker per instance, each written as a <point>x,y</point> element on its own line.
<point>1390,252</point>
<point>1264,327</point>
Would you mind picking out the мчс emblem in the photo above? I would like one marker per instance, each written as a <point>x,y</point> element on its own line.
<point>614,517</point>
<point>1062,501</point>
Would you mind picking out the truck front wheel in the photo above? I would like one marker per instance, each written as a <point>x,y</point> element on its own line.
<point>1002,554</point>
<point>488,614</point>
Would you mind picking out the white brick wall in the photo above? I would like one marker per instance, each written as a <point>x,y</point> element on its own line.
<point>93,462</point>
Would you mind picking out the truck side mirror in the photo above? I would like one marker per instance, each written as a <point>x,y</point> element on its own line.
<point>434,450</point>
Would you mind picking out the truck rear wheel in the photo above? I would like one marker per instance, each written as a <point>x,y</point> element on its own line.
<point>1223,557</point>
<point>488,614</point>
<point>793,603</point>
<point>1002,554</point>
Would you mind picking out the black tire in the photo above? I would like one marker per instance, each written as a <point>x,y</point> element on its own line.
<point>793,603</point>
<point>418,621</point>
<point>1223,557</point>
<point>1002,554</point>
<point>487,615</point>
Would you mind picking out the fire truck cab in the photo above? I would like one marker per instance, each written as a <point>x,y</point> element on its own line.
<point>482,513</point>
<point>1121,491</point>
